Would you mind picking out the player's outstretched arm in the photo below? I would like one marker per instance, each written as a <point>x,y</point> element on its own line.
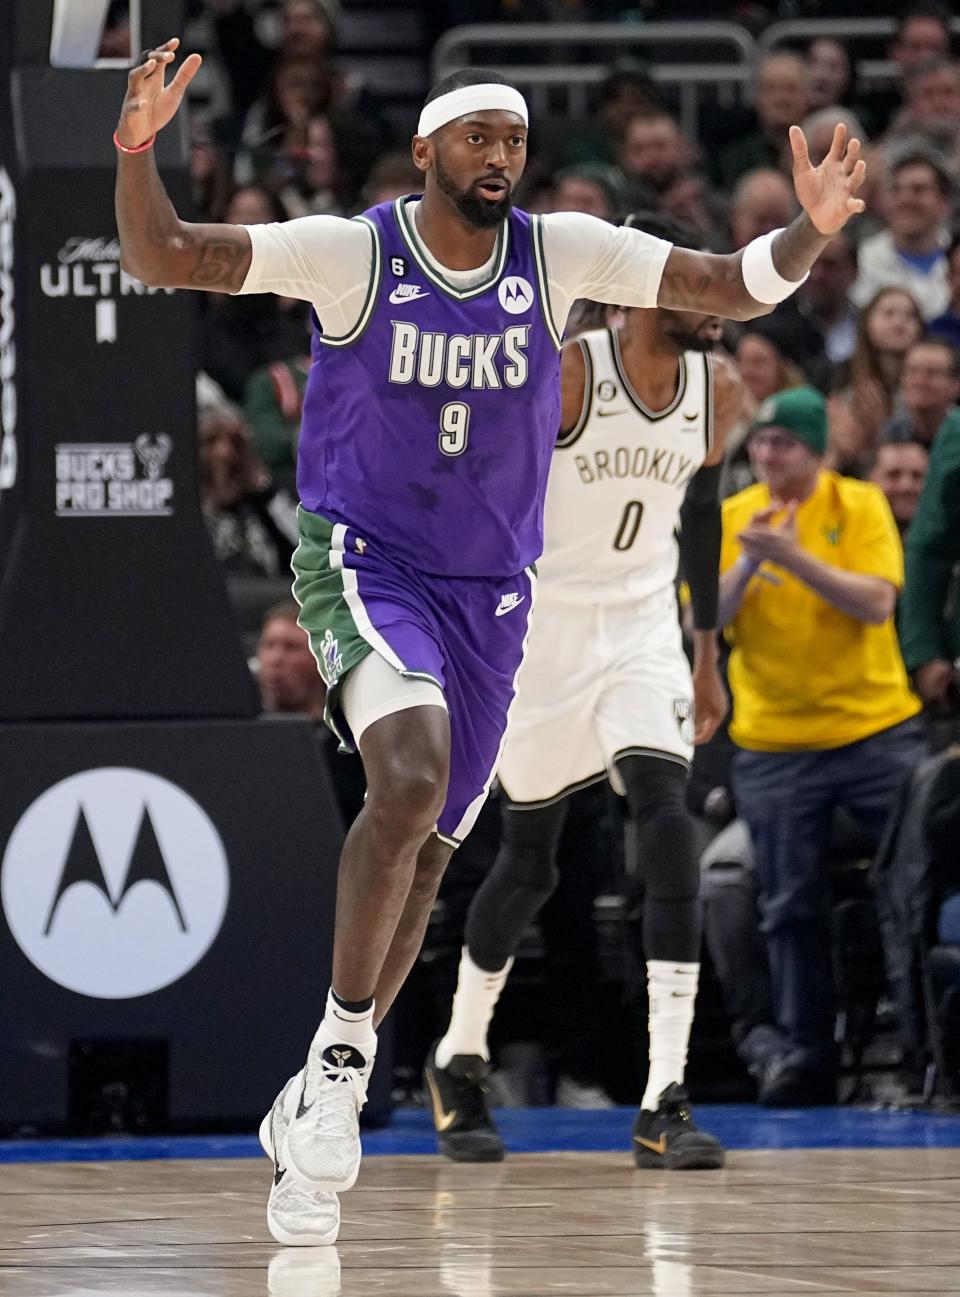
<point>155,245</point>
<point>751,282</point>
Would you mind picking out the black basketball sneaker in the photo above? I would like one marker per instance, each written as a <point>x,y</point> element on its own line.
<point>456,1098</point>
<point>668,1139</point>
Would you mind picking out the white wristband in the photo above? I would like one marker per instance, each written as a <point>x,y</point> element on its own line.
<point>761,278</point>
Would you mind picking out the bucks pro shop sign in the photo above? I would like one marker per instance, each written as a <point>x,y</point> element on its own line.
<point>114,883</point>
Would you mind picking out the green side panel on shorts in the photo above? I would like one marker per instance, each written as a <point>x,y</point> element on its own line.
<point>335,641</point>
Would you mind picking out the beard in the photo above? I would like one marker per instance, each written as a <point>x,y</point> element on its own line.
<point>476,210</point>
<point>689,340</point>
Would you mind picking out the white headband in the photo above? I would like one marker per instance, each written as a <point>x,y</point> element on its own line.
<point>470,99</point>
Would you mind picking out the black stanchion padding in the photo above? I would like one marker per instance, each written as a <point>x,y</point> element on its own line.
<point>111,603</point>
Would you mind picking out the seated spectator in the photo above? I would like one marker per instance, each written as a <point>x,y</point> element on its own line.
<point>948,325</point>
<point>307,175</point>
<point>922,32</point>
<point>931,114</point>
<point>900,469</point>
<point>624,93</point>
<point>819,128</point>
<point>823,714</point>
<point>291,685</point>
<point>287,674</point>
<point>253,529</point>
<point>764,361</point>
<point>307,32</point>
<point>763,358</point>
<point>762,201</point>
<point>298,88</point>
<point>825,298</point>
<point>240,333</point>
<point>929,608</point>
<point>209,171</point>
<point>593,188</point>
<point>392,176</point>
<point>272,406</point>
<point>909,253</point>
<point>782,99</point>
<point>928,391</point>
<point>831,73</point>
<point>689,198</point>
<point>253,205</point>
<point>653,152</point>
<point>864,399</point>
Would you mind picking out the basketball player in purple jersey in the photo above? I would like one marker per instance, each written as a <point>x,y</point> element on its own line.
<point>429,420</point>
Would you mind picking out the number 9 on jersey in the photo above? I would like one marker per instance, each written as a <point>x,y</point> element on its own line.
<point>454,428</point>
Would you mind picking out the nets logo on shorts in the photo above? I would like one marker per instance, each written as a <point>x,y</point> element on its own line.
<point>114,479</point>
<point>114,883</point>
<point>683,715</point>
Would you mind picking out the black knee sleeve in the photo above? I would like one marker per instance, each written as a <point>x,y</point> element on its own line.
<point>665,917</point>
<point>523,877</point>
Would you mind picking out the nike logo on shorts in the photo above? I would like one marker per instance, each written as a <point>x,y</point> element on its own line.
<point>508,602</point>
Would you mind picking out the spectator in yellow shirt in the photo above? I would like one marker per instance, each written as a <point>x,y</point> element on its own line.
<point>823,713</point>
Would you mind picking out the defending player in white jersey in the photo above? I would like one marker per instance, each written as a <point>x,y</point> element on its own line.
<point>606,691</point>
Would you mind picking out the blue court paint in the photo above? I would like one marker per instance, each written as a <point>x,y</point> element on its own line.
<point>545,1130</point>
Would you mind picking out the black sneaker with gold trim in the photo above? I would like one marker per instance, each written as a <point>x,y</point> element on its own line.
<point>669,1140</point>
<point>456,1098</point>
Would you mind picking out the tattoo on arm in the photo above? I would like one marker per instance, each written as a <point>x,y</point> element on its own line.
<point>219,259</point>
<point>694,285</point>
<point>707,282</point>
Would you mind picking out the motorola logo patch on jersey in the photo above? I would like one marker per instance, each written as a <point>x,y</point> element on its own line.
<point>606,390</point>
<point>515,294</point>
<point>114,883</point>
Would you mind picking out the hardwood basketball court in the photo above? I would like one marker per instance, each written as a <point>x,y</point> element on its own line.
<point>778,1221</point>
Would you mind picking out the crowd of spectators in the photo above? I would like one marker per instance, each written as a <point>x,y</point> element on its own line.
<point>871,338</point>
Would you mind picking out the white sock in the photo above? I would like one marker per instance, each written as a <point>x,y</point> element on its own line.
<point>473,1004</point>
<point>672,989</point>
<point>341,1027</point>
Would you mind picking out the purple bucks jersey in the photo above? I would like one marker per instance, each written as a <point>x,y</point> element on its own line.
<point>429,428</point>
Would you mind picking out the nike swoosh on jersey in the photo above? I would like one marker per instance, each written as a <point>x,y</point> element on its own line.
<point>505,608</point>
<point>608,414</point>
<point>442,1120</point>
<point>406,297</point>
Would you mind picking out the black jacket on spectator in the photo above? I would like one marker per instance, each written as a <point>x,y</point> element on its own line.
<point>240,334</point>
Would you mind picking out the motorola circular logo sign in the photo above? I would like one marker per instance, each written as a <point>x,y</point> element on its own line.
<point>114,883</point>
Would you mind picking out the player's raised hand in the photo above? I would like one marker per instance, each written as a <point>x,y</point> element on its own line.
<point>827,193</point>
<point>149,103</point>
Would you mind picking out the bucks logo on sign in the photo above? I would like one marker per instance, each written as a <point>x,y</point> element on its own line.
<point>114,883</point>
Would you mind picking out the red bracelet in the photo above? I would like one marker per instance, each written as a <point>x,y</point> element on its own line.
<point>140,147</point>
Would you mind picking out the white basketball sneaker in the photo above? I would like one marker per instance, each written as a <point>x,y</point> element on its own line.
<point>322,1148</point>
<point>295,1217</point>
